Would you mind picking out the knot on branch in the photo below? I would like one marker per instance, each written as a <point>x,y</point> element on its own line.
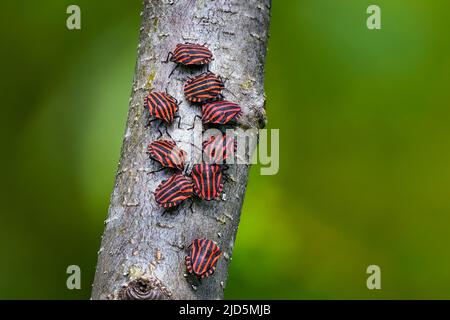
<point>144,289</point>
<point>256,118</point>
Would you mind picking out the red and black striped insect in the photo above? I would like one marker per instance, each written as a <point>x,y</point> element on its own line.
<point>202,260</point>
<point>189,54</point>
<point>208,180</point>
<point>204,88</point>
<point>219,112</point>
<point>174,191</point>
<point>218,149</point>
<point>162,105</point>
<point>167,153</point>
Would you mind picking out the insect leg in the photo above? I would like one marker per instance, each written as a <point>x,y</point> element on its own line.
<point>168,134</point>
<point>188,263</point>
<point>149,123</point>
<point>225,174</point>
<point>195,118</point>
<point>219,97</point>
<point>190,207</point>
<point>155,171</point>
<point>179,121</point>
<point>169,55</point>
<point>174,69</point>
<point>159,130</point>
<point>210,272</point>
<point>185,169</point>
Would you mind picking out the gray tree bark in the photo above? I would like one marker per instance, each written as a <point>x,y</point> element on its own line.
<point>142,251</point>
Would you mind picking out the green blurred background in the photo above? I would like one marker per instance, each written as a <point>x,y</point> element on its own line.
<point>365,149</point>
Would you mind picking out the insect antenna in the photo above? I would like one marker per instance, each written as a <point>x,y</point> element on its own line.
<point>224,80</point>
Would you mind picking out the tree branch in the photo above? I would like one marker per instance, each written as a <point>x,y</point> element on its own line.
<point>142,251</point>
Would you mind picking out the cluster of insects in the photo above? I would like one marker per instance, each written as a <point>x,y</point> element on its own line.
<point>206,179</point>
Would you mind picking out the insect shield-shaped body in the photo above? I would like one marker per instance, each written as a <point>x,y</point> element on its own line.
<point>167,154</point>
<point>203,258</point>
<point>204,88</point>
<point>208,180</point>
<point>218,149</point>
<point>221,112</point>
<point>190,54</point>
<point>162,105</point>
<point>174,191</point>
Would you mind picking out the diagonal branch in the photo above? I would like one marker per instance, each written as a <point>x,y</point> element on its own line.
<point>141,247</point>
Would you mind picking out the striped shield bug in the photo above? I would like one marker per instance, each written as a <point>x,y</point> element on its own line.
<point>203,88</point>
<point>167,153</point>
<point>219,112</point>
<point>189,54</point>
<point>174,191</point>
<point>162,105</point>
<point>217,149</point>
<point>203,257</point>
<point>208,180</point>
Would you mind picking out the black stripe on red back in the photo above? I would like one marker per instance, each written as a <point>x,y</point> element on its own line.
<point>167,154</point>
<point>208,180</point>
<point>204,87</point>
<point>217,149</point>
<point>221,112</point>
<point>191,54</point>
<point>204,256</point>
<point>173,191</point>
<point>161,105</point>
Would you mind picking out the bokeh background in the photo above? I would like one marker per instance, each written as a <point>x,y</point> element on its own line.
<point>365,149</point>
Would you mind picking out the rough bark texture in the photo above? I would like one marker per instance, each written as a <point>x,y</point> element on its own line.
<point>140,245</point>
